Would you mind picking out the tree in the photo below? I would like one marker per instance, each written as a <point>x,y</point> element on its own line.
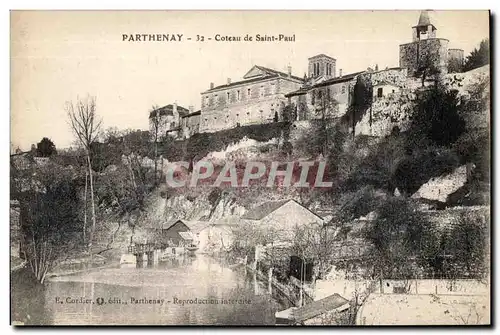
<point>316,242</point>
<point>437,117</point>
<point>356,204</point>
<point>85,125</point>
<point>157,123</point>
<point>318,139</point>
<point>402,237</point>
<point>360,102</point>
<point>45,148</point>
<point>427,67</point>
<point>478,57</point>
<point>328,109</point>
<point>49,218</point>
<point>468,246</point>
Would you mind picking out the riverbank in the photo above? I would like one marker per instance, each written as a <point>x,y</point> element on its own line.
<point>290,291</point>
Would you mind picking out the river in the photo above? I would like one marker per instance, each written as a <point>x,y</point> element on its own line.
<point>195,290</point>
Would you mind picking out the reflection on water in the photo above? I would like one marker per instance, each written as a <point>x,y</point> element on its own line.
<point>212,292</point>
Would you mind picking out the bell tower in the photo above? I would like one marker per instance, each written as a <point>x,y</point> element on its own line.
<point>425,50</point>
<point>425,29</point>
<point>322,66</point>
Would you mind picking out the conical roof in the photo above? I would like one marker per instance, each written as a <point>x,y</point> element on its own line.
<point>424,19</point>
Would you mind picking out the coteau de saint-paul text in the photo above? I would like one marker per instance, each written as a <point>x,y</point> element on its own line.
<point>202,38</point>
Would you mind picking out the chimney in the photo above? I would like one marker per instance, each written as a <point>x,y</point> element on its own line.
<point>175,108</point>
<point>289,71</point>
<point>340,72</point>
<point>211,85</point>
<point>191,109</point>
<point>229,81</point>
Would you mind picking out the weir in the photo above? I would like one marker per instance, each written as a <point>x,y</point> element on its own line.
<point>147,252</point>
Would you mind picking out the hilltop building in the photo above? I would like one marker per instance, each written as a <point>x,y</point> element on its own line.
<point>174,121</point>
<point>261,96</point>
<point>256,99</point>
<point>426,49</point>
<point>167,118</point>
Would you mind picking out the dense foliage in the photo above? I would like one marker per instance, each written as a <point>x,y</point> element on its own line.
<point>478,57</point>
<point>45,148</point>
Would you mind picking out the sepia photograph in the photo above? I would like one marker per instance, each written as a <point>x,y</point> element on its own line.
<point>250,168</point>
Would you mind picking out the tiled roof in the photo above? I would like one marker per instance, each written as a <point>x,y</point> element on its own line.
<point>385,82</point>
<point>337,80</point>
<point>263,210</point>
<point>186,235</point>
<point>196,226</point>
<point>424,19</point>
<point>270,73</point>
<point>328,82</point>
<point>192,114</point>
<point>300,91</point>
<point>279,73</point>
<point>169,110</point>
<point>318,307</point>
<point>321,55</point>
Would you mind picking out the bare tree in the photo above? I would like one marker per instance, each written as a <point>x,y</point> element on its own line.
<point>327,107</point>
<point>86,126</point>
<point>316,242</point>
<point>156,126</point>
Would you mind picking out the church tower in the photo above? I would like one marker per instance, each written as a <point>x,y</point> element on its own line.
<point>426,49</point>
<point>425,28</point>
<point>322,66</point>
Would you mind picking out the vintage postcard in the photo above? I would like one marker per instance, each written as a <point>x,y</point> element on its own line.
<point>250,168</point>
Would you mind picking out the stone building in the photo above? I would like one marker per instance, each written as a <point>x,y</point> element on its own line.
<point>282,218</point>
<point>190,123</point>
<point>167,119</point>
<point>256,99</point>
<point>384,89</point>
<point>427,50</point>
<point>331,95</point>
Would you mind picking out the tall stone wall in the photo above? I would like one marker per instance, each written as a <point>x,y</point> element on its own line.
<point>411,55</point>
<point>455,60</point>
<point>474,89</point>
<point>386,113</point>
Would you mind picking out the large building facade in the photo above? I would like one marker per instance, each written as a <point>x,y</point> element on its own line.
<point>258,98</point>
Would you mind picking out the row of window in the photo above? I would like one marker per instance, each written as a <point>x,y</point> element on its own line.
<point>248,113</point>
<point>238,94</point>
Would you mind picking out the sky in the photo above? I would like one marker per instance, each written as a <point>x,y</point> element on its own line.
<point>60,56</point>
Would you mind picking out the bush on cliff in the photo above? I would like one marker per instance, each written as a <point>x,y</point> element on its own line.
<point>199,145</point>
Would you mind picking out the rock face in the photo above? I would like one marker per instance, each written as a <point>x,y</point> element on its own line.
<point>441,187</point>
<point>242,150</point>
<point>161,210</point>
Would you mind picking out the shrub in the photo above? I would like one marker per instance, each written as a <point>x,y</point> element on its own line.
<point>436,117</point>
<point>414,171</point>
